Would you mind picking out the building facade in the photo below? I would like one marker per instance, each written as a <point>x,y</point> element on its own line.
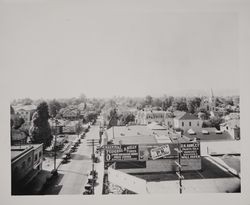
<point>187,121</point>
<point>149,116</point>
<point>25,111</point>
<point>232,127</point>
<point>26,162</point>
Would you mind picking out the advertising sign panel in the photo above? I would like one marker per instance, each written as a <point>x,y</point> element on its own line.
<point>161,151</point>
<point>122,153</point>
<point>156,151</point>
<point>190,150</point>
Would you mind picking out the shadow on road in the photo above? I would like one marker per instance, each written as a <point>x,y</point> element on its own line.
<point>80,157</point>
<point>53,188</point>
<point>69,171</point>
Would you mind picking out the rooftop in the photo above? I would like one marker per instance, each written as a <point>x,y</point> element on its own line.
<point>209,171</point>
<point>211,179</point>
<point>142,139</point>
<point>232,123</point>
<point>18,134</point>
<point>187,116</point>
<point>207,134</point>
<point>139,134</point>
<point>156,126</point>
<point>24,107</point>
<point>18,151</point>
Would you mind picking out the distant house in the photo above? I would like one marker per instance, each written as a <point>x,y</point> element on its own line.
<point>232,126</point>
<point>233,115</point>
<point>25,111</point>
<point>18,137</point>
<point>186,121</point>
<point>70,127</point>
<point>149,116</point>
<point>57,127</point>
<point>71,114</point>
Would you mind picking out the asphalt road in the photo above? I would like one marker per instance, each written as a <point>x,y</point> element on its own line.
<point>74,174</point>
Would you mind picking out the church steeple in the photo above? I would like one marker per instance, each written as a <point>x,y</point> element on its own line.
<point>211,93</point>
<point>211,101</point>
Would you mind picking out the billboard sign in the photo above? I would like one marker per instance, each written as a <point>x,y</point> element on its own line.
<point>190,150</point>
<point>110,147</point>
<point>157,151</point>
<point>128,152</point>
<point>160,152</point>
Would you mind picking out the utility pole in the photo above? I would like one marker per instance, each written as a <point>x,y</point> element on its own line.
<point>93,143</point>
<point>55,171</point>
<point>113,132</point>
<point>179,172</point>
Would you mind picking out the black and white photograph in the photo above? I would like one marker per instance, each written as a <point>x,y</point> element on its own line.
<point>111,98</point>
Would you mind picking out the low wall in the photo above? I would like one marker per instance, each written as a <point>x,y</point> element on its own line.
<point>166,165</point>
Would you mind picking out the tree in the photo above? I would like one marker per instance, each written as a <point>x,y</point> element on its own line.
<point>40,131</point>
<point>204,114</point>
<point>78,128</point>
<point>157,102</point>
<point>90,116</point>
<point>167,102</point>
<point>215,122</point>
<point>83,98</point>
<point>126,118</point>
<point>12,111</point>
<point>148,100</point>
<point>180,104</point>
<point>193,104</point>
<point>17,122</point>
<point>54,108</point>
<point>27,101</point>
<point>113,117</point>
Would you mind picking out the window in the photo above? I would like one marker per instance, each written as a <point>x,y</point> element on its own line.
<point>40,154</point>
<point>29,159</point>
<point>198,124</point>
<point>35,157</point>
<point>182,124</point>
<point>190,124</point>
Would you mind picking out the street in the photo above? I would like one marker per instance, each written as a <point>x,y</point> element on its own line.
<point>73,175</point>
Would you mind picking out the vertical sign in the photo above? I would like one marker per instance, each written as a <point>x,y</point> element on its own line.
<point>190,150</point>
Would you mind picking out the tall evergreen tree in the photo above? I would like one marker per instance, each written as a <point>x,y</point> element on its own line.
<point>40,131</point>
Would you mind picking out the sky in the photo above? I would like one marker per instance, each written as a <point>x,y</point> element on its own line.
<point>58,49</point>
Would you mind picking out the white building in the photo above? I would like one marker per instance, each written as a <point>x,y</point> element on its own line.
<point>187,121</point>
<point>25,111</point>
<point>232,127</point>
<point>149,116</point>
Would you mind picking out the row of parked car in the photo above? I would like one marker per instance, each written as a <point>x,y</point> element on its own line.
<point>91,183</point>
<point>73,148</point>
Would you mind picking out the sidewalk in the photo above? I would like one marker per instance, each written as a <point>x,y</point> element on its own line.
<point>35,185</point>
<point>99,167</point>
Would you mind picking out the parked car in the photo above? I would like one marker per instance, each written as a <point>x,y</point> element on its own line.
<point>88,189</point>
<point>65,159</point>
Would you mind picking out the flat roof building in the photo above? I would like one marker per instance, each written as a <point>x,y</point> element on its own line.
<point>26,163</point>
<point>202,174</point>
